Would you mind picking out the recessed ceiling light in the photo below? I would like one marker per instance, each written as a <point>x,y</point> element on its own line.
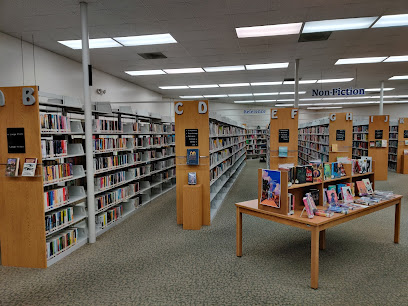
<point>269,30</point>
<point>360,60</point>
<point>142,40</point>
<point>378,89</point>
<point>241,95</point>
<point>399,77</point>
<point>325,107</point>
<point>291,93</point>
<point>191,97</point>
<point>183,70</point>
<point>392,21</point>
<point>300,82</point>
<point>265,101</point>
<point>224,68</point>
<point>145,72</point>
<point>338,24</point>
<point>234,85</point>
<point>173,87</point>
<point>247,101</point>
<point>94,43</point>
<point>266,83</point>
<point>266,93</point>
<point>215,96</point>
<point>267,66</point>
<point>334,80</point>
<point>203,86</point>
<point>393,59</point>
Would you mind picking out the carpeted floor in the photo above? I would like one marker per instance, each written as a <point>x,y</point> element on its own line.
<point>148,259</point>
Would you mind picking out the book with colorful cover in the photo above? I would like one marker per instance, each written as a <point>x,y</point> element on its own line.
<point>300,175</point>
<point>351,185</point>
<point>283,151</point>
<point>347,194</point>
<point>335,170</point>
<point>324,196</point>
<point>332,197</point>
<point>12,166</point>
<point>193,157</point>
<point>309,174</point>
<point>30,164</point>
<point>368,160</point>
<point>341,169</point>
<point>309,212</point>
<point>339,194</point>
<point>363,165</point>
<point>271,188</point>
<point>327,171</point>
<point>355,167</point>
<point>368,186</point>
<point>317,172</point>
<point>362,190</point>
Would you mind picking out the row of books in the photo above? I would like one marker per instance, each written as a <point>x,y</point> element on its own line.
<point>393,128</point>
<point>146,141</point>
<point>224,142</point>
<point>223,130</point>
<point>58,219</point>
<point>360,129</point>
<point>54,123</point>
<point>256,131</point>
<point>104,125</point>
<point>393,143</point>
<point>59,243</point>
<point>321,129</point>
<point>106,218</point>
<point>153,128</point>
<point>57,172</point>
<point>220,155</point>
<point>359,152</point>
<point>360,145</point>
<point>393,150</point>
<point>105,144</point>
<point>116,196</point>
<point>221,168</point>
<point>324,140</point>
<point>110,161</point>
<point>55,198</point>
<point>360,137</point>
<point>315,146</point>
<point>392,158</point>
<point>54,148</point>
<point>169,173</point>
<point>109,180</point>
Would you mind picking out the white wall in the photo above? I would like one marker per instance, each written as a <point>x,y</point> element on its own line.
<point>60,75</point>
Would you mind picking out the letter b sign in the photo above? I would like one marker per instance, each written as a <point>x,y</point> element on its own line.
<point>28,98</point>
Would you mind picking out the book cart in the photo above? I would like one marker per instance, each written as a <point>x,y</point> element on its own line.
<point>398,134</point>
<point>256,140</point>
<point>221,145</point>
<point>326,139</point>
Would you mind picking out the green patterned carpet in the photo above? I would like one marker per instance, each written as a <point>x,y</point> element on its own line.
<point>148,259</point>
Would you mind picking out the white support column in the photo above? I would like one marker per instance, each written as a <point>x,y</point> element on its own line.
<point>88,123</point>
<point>296,104</point>
<point>381,110</point>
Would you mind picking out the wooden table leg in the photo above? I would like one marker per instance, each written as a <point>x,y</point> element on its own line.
<point>397,223</point>
<point>239,233</point>
<point>322,240</point>
<point>314,267</point>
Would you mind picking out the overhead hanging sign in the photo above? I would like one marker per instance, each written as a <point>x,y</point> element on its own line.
<point>338,92</point>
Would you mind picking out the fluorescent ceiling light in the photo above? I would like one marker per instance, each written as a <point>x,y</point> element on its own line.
<point>392,21</point>
<point>267,66</point>
<point>265,101</point>
<point>283,104</point>
<point>183,70</point>
<point>173,87</point>
<point>347,98</point>
<point>395,96</point>
<point>266,83</point>
<point>142,40</point>
<point>203,86</point>
<point>191,97</point>
<point>241,95</point>
<point>285,100</point>
<point>291,93</point>
<point>266,94</point>
<point>334,80</point>
<point>215,96</point>
<point>93,43</point>
<point>326,107</point>
<point>145,72</point>
<point>378,89</point>
<point>234,85</point>
<point>393,59</point>
<point>248,101</point>
<point>310,99</point>
<point>338,24</point>
<point>224,68</point>
<point>399,77</point>
<point>269,30</point>
<point>360,60</point>
<point>300,82</point>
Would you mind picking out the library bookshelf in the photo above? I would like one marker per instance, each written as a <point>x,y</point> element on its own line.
<point>378,130</point>
<point>398,134</point>
<point>221,146</point>
<point>360,138</point>
<point>326,139</point>
<point>256,141</point>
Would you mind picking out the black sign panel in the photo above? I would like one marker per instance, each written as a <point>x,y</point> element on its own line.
<point>284,135</point>
<point>405,133</point>
<point>378,134</point>
<point>191,137</point>
<point>15,140</point>
<point>340,135</point>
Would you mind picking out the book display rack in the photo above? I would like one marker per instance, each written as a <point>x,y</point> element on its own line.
<point>256,143</point>
<point>360,138</point>
<point>326,139</point>
<point>398,144</point>
<point>221,149</point>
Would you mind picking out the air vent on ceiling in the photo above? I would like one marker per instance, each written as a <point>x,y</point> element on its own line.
<point>305,37</point>
<point>152,55</point>
<point>289,80</point>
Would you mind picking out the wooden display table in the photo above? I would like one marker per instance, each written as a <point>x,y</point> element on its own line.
<point>316,226</point>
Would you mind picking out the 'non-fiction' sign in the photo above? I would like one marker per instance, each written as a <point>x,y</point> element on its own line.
<point>338,92</point>
<point>191,137</point>
<point>340,135</point>
<point>378,134</point>
<point>284,135</point>
<point>16,140</point>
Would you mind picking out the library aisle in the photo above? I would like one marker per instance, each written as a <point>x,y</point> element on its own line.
<point>149,260</point>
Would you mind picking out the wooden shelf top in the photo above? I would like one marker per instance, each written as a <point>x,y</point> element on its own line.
<point>296,186</point>
<point>363,174</point>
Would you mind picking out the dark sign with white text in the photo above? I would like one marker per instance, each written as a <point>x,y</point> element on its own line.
<point>191,137</point>
<point>15,140</point>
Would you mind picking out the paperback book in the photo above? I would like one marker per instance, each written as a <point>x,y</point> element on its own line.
<point>362,190</point>
<point>347,195</point>
<point>327,171</point>
<point>332,197</point>
<point>271,188</point>
<point>30,164</point>
<point>368,186</point>
<point>12,166</point>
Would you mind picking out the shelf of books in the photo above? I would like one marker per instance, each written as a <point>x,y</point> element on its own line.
<point>134,163</point>
<point>378,137</point>
<point>393,145</point>
<point>360,138</point>
<point>398,144</point>
<point>326,139</point>
<point>256,143</point>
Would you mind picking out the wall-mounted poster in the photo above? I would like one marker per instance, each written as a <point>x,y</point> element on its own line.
<point>284,135</point>
<point>271,188</point>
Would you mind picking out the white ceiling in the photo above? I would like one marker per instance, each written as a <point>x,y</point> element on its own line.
<point>205,31</point>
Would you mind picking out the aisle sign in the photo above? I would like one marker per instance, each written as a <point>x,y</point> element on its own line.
<point>378,134</point>
<point>191,137</point>
<point>341,135</point>
<point>284,135</point>
<point>16,140</point>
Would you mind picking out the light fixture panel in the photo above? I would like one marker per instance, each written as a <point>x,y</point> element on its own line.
<point>392,21</point>
<point>360,60</point>
<point>183,70</point>
<point>338,24</point>
<point>269,30</point>
<point>95,43</point>
<point>224,68</point>
<point>267,66</point>
<point>143,40</point>
<point>145,72</point>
